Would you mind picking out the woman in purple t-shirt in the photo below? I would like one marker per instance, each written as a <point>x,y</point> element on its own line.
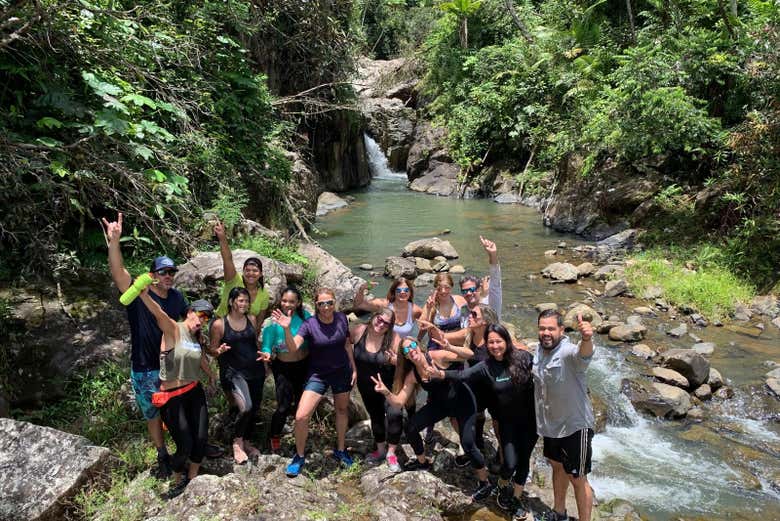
<point>331,364</point>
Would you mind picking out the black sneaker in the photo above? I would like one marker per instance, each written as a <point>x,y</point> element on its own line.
<point>163,470</point>
<point>505,499</point>
<point>552,515</point>
<point>462,460</point>
<point>176,490</point>
<point>414,464</point>
<point>483,490</point>
<point>214,451</point>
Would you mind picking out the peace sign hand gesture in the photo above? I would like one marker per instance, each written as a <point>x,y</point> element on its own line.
<point>379,385</point>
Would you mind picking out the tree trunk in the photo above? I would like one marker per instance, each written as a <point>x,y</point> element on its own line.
<point>734,8</point>
<point>631,20</point>
<point>464,32</point>
<point>510,6</point>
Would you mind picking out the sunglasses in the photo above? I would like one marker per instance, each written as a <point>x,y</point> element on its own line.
<point>203,315</point>
<point>466,291</point>
<point>168,271</point>
<point>325,303</point>
<point>411,347</point>
<point>381,322</point>
<point>402,290</point>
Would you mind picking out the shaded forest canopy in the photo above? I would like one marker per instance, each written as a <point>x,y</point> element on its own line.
<point>164,109</point>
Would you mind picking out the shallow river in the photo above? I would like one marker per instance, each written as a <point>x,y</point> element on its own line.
<point>720,469</point>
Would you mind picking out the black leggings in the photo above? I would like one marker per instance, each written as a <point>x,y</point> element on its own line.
<point>186,417</point>
<point>247,395</point>
<point>289,378</point>
<point>462,406</point>
<point>379,410</point>
<point>517,441</point>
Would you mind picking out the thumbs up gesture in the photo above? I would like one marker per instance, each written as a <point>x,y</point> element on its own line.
<point>585,328</point>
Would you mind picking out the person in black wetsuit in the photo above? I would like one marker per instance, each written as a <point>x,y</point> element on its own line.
<point>375,350</point>
<point>241,371</point>
<point>447,399</point>
<point>506,375</point>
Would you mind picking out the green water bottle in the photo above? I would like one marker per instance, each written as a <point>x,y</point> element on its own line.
<point>136,288</point>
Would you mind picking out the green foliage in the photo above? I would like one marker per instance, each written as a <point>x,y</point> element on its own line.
<point>275,249</point>
<point>709,287</point>
<point>228,205</point>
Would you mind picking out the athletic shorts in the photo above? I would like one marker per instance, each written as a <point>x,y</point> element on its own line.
<point>573,452</point>
<point>340,381</point>
<point>145,384</point>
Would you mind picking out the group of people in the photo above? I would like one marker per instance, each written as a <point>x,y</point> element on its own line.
<point>461,356</point>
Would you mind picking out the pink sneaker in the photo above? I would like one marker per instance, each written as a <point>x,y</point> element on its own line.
<point>392,463</point>
<point>375,456</point>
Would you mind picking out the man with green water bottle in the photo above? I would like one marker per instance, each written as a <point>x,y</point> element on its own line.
<point>145,335</point>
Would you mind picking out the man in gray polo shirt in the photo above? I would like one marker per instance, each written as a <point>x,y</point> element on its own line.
<point>564,415</point>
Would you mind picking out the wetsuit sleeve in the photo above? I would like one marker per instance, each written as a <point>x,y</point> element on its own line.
<point>475,373</point>
<point>496,292</point>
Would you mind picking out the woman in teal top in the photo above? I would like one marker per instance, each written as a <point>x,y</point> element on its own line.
<point>290,369</point>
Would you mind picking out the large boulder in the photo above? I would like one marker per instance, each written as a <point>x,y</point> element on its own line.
<point>331,273</point>
<point>400,267</point>
<point>670,376</point>
<point>428,150</point>
<point>615,288</point>
<point>327,202</point>
<point>765,305</point>
<point>688,363</point>
<point>628,333</point>
<point>430,248</point>
<point>662,400</point>
<point>561,271</point>
<point>201,274</point>
<point>715,379</point>
<point>41,469</point>
<point>392,125</point>
<point>588,315</point>
<point>440,179</point>
<point>622,240</point>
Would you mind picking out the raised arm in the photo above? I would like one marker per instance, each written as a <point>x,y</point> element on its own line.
<point>399,399</point>
<point>475,373</point>
<point>495,291</point>
<point>166,324</point>
<point>362,304</point>
<point>228,267</point>
<point>586,332</point>
<point>113,233</point>
<point>293,342</point>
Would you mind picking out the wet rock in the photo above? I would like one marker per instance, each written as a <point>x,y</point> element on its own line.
<point>424,279</point>
<point>588,315</point>
<point>765,305</point>
<point>644,311</point>
<point>724,393</point>
<point>776,322</point>
<point>642,351</point>
<point>41,469</point>
<point>561,271</point>
<point>545,306</point>
<point>400,267</point>
<point>627,333</point>
<point>607,325</point>
<point>774,373</point>
<point>714,379</point>
<point>550,253</point>
<point>670,376</point>
<point>704,348</point>
<point>695,338</point>
<point>753,332</point>
<point>703,392</point>
<point>634,320</point>
<point>621,241</point>
<point>331,273</point>
<point>366,267</point>
<point>615,288</point>
<point>423,265</point>
<point>664,401</point>
<point>678,331</point>
<point>695,413</point>
<point>742,313</point>
<point>441,179</point>
<point>699,320</point>
<point>429,249</point>
<point>327,202</point>
<point>600,412</point>
<point>617,510</point>
<point>662,304</point>
<point>652,292</point>
<point>411,495</point>
<point>458,269</point>
<point>774,386</point>
<point>441,266</point>
<point>606,272</point>
<point>689,363</point>
<point>586,269</point>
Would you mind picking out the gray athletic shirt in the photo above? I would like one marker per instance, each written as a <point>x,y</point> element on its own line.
<point>561,391</point>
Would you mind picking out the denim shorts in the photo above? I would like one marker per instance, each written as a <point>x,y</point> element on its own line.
<point>340,381</point>
<point>145,384</point>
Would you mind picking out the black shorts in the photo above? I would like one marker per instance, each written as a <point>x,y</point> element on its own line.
<point>573,452</point>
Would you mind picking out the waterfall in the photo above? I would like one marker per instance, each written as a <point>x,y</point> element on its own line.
<point>377,162</point>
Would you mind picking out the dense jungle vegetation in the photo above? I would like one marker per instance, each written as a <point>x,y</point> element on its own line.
<point>169,108</point>
<point>688,88</point>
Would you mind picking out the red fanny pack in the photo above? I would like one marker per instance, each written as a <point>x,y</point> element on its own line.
<point>160,398</point>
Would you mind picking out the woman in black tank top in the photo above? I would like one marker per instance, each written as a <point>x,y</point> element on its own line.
<point>241,371</point>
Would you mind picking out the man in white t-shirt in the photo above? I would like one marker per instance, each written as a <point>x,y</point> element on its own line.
<point>564,415</point>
